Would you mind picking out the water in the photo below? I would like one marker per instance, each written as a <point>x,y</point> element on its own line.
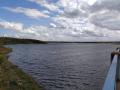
<point>64,66</point>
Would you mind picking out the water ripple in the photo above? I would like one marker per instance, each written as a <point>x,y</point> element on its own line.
<point>64,66</point>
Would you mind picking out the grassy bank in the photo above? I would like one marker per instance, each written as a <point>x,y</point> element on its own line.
<point>13,78</point>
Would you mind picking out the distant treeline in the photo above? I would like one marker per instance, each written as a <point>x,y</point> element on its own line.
<point>117,42</point>
<point>9,40</point>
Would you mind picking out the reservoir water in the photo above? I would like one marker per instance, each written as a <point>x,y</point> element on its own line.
<point>64,66</point>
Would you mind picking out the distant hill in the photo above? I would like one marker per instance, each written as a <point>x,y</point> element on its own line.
<point>116,42</point>
<point>9,40</point>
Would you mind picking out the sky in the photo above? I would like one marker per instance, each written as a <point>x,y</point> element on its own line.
<point>61,20</point>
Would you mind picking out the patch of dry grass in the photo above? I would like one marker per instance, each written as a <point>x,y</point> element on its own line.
<point>13,78</point>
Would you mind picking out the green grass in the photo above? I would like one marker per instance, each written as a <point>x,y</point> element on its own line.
<point>13,78</point>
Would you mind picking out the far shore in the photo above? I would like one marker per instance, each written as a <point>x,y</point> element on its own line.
<point>114,42</point>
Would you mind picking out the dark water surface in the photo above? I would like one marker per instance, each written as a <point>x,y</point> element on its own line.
<point>64,66</point>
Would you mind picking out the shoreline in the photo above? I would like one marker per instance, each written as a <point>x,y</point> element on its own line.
<point>12,77</point>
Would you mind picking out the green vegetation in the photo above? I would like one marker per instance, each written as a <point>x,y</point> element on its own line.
<point>13,78</point>
<point>9,40</point>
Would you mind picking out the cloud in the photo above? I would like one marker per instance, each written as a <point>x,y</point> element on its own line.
<point>106,4</point>
<point>101,13</point>
<point>18,27</point>
<point>44,3</point>
<point>69,8</point>
<point>53,25</point>
<point>70,23</point>
<point>40,32</point>
<point>75,13</point>
<point>105,14</point>
<point>73,9</point>
<point>11,25</point>
<point>32,13</point>
<point>107,19</point>
<point>81,19</point>
<point>59,34</point>
<point>77,20</point>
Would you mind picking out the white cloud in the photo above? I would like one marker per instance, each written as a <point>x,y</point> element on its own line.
<point>44,3</point>
<point>11,25</point>
<point>18,27</point>
<point>76,20</point>
<point>80,19</point>
<point>32,13</point>
<point>106,4</point>
<point>53,25</point>
<point>106,19</point>
<point>55,33</point>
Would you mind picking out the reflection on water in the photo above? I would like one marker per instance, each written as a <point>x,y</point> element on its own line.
<point>65,66</point>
